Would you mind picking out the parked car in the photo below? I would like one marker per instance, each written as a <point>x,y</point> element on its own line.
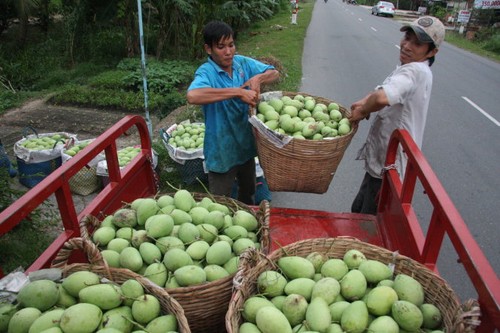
<point>383,8</point>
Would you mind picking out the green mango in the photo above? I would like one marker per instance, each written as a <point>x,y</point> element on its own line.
<point>190,275</point>
<point>81,318</point>
<point>271,320</point>
<point>318,316</point>
<point>375,271</point>
<point>215,272</point>
<point>183,200</point>
<point>353,285</point>
<point>146,208</point>
<point>130,258</point>
<point>40,294</point>
<point>327,288</point>
<point>407,315</point>
<point>409,289</point>
<point>294,308</point>
<point>252,305</point>
<point>380,299</point>
<point>355,317</point>
<point>301,286</point>
<point>271,283</point>
<point>219,253</point>
<point>294,267</point>
<point>105,296</point>
<point>336,310</point>
<point>335,268</point>
<point>383,324</point>
<point>131,289</point>
<point>161,324</point>
<point>146,308</point>
<point>157,273</point>
<point>21,321</point>
<point>245,219</point>
<point>118,318</point>
<point>46,320</point>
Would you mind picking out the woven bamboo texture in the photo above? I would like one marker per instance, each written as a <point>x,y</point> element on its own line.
<point>456,318</point>
<point>205,305</point>
<point>168,304</point>
<point>302,165</point>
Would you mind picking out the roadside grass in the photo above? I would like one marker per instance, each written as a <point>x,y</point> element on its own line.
<point>282,40</point>
<point>459,40</point>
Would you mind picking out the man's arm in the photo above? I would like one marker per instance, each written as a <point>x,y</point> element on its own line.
<point>373,102</point>
<point>212,95</point>
<point>256,81</point>
<point>250,96</point>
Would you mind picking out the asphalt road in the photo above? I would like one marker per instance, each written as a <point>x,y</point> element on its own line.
<point>347,52</point>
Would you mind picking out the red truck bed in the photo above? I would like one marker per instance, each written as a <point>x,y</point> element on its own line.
<point>395,227</point>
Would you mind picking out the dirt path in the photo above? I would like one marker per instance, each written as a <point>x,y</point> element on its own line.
<point>87,123</point>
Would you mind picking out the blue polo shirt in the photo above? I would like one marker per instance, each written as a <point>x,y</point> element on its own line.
<point>229,139</point>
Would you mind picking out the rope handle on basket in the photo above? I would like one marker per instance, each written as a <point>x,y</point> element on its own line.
<point>248,259</point>
<point>468,320</point>
<point>25,130</point>
<point>85,223</point>
<point>89,249</point>
<point>264,214</point>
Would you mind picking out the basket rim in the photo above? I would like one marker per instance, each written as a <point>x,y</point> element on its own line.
<point>254,263</point>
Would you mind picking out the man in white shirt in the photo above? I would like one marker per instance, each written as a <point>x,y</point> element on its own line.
<point>401,101</point>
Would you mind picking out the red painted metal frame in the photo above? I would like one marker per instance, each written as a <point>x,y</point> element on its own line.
<point>135,180</point>
<point>402,230</point>
<point>396,226</point>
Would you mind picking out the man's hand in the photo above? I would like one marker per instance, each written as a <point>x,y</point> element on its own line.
<point>249,96</point>
<point>358,112</point>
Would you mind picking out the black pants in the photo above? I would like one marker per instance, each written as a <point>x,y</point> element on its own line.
<point>366,200</point>
<point>222,183</point>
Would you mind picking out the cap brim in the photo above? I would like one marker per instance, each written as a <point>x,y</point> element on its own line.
<point>419,32</point>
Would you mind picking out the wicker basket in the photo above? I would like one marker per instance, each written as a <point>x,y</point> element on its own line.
<point>205,305</point>
<point>437,291</point>
<point>301,165</point>
<point>168,304</point>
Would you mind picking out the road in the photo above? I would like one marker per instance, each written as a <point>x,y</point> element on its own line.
<point>347,52</point>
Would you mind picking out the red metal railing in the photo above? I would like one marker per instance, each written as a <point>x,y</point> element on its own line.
<point>135,180</point>
<point>398,219</point>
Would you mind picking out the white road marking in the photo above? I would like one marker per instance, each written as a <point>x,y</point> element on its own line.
<point>373,28</point>
<point>360,19</point>
<point>397,46</point>
<point>486,114</point>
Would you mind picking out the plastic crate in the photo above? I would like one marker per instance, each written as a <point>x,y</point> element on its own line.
<point>30,174</point>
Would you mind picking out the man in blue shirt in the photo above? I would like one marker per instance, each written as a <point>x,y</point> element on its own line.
<point>226,86</point>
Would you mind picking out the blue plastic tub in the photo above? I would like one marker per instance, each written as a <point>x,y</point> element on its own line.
<point>30,174</point>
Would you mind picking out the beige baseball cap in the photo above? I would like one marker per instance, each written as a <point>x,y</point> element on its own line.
<point>428,30</point>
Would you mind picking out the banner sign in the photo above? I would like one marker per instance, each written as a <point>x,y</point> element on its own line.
<point>487,4</point>
<point>463,16</point>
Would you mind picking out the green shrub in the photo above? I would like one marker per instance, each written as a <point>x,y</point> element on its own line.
<point>493,44</point>
<point>162,76</point>
<point>109,79</point>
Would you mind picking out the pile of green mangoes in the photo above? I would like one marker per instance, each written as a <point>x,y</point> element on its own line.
<point>176,241</point>
<point>127,154</point>
<point>82,303</point>
<point>188,136</point>
<point>44,142</point>
<point>72,151</point>
<point>332,295</point>
<point>303,117</point>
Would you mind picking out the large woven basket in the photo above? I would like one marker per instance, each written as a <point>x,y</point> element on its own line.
<point>205,305</point>
<point>168,304</point>
<point>456,318</point>
<point>302,165</point>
